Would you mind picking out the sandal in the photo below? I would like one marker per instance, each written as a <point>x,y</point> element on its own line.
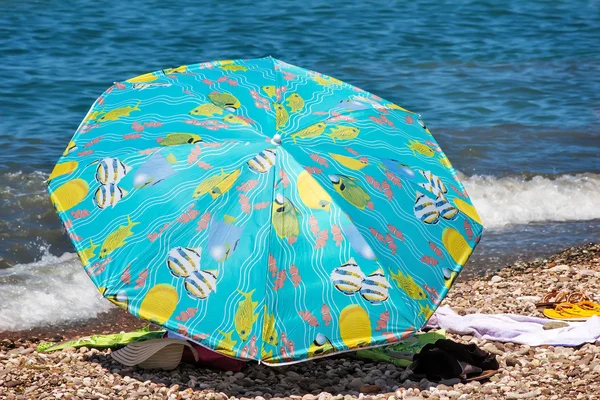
<point>568,312</point>
<point>552,298</point>
<point>577,297</point>
<point>590,306</point>
<point>555,297</point>
<point>485,374</point>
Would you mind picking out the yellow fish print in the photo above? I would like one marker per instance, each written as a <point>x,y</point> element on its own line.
<point>69,194</point>
<point>71,147</point>
<point>426,311</point>
<point>159,303</point>
<point>207,110</point>
<point>269,334</point>
<point>284,217</point>
<point>468,210</point>
<point>325,80</point>
<point>228,219</point>
<point>225,100</point>
<point>116,238</point>
<point>295,102</point>
<point>350,190</point>
<point>217,185</point>
<point>408,284</point>
<point>349,162</point>
<point>322,81</point>
<point>114,115</point>
<point>86,254</point>
<point>245,317</point>
<point>449,277</point>
<point>355,326</point>
<point>320,346</point>
<point>149,77</point>
<point>179,70</point>
<point>312,193</point>
<point>456,245</point>
<point>94,115</point>
<point>420,148</point>
<point>63,169</point>
<point>234,119</point>
<point>342,132</point>
<point>397,107</point>
<point>178,138</point>
<point>420,121</point>
<point>310,132</point>
<point>233,68</point>
<point>265,355</point>
<point>226,344</point>
<point>120,299</point>
<point>281,115</point>
<point>444,161</point>
<point>271,91</point>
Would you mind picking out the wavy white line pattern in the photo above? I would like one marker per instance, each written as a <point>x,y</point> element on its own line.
<point>340,192</point>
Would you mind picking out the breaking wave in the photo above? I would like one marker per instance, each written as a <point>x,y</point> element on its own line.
<point>520,200</point>
<point>49,291</point>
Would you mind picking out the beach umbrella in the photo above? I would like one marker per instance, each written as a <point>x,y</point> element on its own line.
<point>263,210</point>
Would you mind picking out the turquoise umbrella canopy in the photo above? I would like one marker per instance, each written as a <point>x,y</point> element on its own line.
<point>263,210</point>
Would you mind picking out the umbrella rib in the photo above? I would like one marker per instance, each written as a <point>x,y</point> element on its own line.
<point>270,243</point>
<point>270,239</point>
<point>277,81</point>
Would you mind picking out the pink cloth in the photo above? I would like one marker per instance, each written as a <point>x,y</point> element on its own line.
<point>206,357</point>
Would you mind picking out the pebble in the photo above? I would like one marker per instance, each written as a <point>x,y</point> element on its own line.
<point>356,383</point>
<point>529,299</point>
<point>511,361</point>
<point>560,268</point>
<point>554,325</point>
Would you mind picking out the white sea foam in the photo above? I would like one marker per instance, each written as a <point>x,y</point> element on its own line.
<point>49,291</point>
<point>512,200</point>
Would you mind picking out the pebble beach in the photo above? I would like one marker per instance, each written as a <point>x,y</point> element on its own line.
<point>543,372</point>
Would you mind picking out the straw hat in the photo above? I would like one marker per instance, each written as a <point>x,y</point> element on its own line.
<point>157,353</point>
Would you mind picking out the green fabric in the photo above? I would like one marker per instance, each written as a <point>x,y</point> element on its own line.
<point>401,353</point>
<point>103,341</point>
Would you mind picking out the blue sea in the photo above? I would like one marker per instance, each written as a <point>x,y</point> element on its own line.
<point>510,89</point>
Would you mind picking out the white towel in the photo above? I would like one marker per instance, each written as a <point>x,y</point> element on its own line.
<point>515,328</point>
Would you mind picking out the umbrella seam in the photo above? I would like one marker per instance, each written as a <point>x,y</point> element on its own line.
<point>270,242</point>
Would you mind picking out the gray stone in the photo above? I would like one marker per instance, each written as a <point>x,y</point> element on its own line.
<point>239,375</point>
<point>450,382</point>
<point>407,384</point>
<point>294,376</point>
<point>511,361</point>
<point>356,383</point>
<point>555,325</point>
